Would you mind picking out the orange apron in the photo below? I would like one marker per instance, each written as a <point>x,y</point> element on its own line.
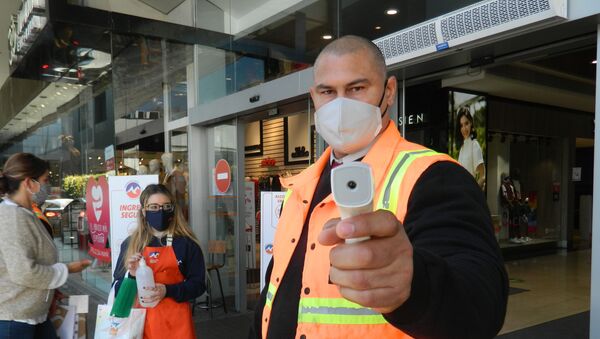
<point>168,319</point>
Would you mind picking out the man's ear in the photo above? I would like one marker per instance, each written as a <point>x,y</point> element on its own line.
<point>391,87</point>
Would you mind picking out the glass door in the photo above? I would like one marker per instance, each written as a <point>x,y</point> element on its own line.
<point>222,255</point>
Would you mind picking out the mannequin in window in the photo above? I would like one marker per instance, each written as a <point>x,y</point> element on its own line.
<point>510,205</point>
<point>470,155</point>
<point>70,155</point>
<point>142,170</point>
<point>175,181</point>
<point>522,208</point>
<point>154,166</point>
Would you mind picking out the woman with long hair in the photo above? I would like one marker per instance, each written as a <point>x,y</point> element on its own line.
<point>171,250</point>
<point>470,155</point>
<point>29,267</point>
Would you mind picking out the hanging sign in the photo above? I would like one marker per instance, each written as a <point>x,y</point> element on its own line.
<point>98,216</point>
<point>109,157</point>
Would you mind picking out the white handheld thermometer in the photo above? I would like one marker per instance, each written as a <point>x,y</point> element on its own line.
<point>353,191</point>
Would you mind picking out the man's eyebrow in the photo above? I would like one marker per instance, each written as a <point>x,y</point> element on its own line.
<point>322,86</point>
<point>352,83</point>
<point>358,81</point>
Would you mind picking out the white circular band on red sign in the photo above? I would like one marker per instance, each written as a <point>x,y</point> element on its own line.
<point>222,176</point>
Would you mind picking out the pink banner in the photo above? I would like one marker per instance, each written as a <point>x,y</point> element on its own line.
<point>98,216</point>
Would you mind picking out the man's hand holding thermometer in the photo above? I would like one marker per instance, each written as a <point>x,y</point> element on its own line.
<point>372,260</point>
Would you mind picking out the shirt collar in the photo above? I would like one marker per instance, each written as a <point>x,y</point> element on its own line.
<point>351,157</point>
<point>10,202</point>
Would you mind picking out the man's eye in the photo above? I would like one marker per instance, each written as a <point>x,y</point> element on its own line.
<point>356,89</point>
<point>326,92</point>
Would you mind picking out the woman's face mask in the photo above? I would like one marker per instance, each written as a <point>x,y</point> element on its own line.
<point>159,220</point>
<point>39,197</point>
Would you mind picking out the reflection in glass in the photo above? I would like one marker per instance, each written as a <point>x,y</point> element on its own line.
<point>222,204</point>
<point>177,179</point>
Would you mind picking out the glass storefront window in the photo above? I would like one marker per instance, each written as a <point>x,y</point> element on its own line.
<point>513,122</point>
<point>72,140</point>
<point>267,41</point>
<point>274,148</point>
<point>177,180</point>
<point>178,67</point>
<point>138,83</point>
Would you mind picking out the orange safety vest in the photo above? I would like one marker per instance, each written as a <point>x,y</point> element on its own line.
<point>38,212</point>
<point>323,313</point>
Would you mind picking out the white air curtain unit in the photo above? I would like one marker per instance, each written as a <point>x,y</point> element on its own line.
<point>482,22</point>
<point>163,6</point>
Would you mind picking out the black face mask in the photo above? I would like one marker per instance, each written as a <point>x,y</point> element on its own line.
<point>159,220</point>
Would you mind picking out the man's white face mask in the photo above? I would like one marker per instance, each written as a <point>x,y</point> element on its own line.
<point>348,125</point>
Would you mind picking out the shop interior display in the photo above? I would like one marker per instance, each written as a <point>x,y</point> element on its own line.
<point>515,210</point>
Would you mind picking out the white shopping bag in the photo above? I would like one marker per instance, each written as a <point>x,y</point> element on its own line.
<point>108,327</point>
<point>64,322</point>
<point>81,303</point>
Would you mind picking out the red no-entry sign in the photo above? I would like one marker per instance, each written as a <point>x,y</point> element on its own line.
<point>222,176</point>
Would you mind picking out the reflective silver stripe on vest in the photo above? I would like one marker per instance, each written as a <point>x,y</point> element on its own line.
<point>338,310</point>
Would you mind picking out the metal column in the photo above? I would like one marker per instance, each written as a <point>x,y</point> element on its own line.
<point>595,284</point>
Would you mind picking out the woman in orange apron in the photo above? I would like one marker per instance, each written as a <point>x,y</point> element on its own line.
<point>172,251</point>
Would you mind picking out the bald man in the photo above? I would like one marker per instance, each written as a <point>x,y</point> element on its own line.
<point>431,267</point>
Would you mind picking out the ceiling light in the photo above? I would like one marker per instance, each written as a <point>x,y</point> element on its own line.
<point>58,93</point>
<point>377,27</point>
<point>391,11</point>
<point>65,87</point>
<point>594,62</point>
<point>327,37</point>
<point>43,106</point>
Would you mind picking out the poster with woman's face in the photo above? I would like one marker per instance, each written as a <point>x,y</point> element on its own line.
<point>468,132</point>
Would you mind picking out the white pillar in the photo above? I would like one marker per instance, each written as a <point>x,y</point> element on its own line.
<point>198,185</point>
<point>595,284</point>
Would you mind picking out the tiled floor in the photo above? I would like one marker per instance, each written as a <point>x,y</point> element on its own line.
<point>559,286</point>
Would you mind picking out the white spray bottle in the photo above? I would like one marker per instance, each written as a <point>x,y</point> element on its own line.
<point>144,278</point>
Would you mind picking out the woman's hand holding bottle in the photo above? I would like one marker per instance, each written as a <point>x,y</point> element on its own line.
<point>133,263</point>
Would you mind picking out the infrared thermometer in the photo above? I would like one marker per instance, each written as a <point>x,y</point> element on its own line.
<point>353,191</point>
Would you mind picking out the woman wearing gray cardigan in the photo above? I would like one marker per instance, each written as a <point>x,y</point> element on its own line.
<point>29,268</point>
